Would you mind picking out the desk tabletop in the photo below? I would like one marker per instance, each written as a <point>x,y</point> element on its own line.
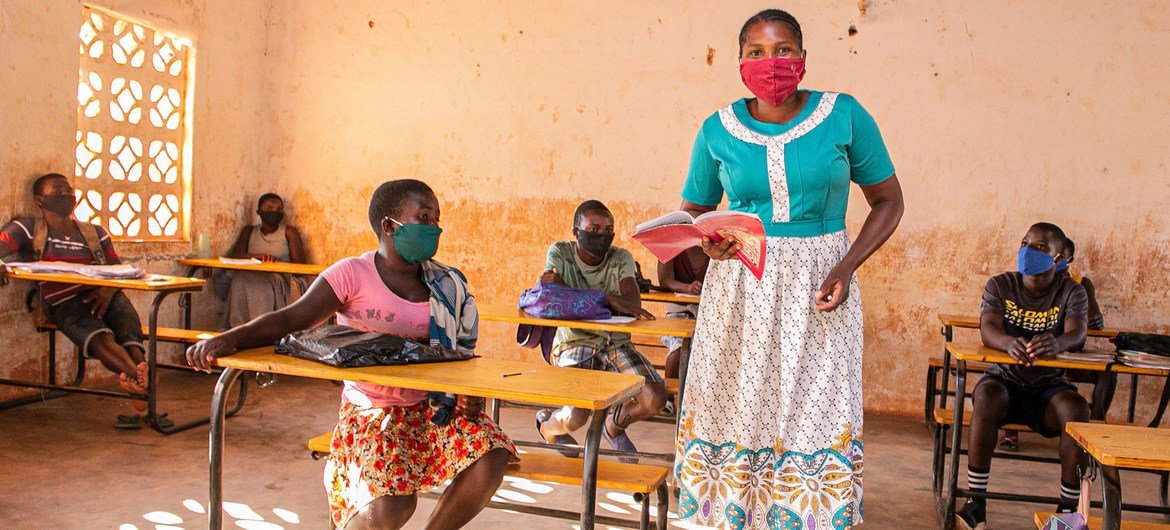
<point>1124,446</point>
<point>972,322</point>
<point>535,383</point>
<point>153,282</point>
<point>662,327</point>
<point>277,266</point>
<point>672,298</point>
<point>981,353</point>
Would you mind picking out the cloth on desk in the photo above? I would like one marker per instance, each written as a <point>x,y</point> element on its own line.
<point>121,271</point>
<point>1150,343</point>
<point>346,347</point>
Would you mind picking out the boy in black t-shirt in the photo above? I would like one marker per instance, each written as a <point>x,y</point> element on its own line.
<point>1030,314</point>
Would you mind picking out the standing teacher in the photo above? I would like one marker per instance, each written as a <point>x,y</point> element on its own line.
<point>770,433</point>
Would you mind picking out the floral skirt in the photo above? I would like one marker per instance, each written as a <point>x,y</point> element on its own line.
<point>398,451</point>
<point>770,433</point>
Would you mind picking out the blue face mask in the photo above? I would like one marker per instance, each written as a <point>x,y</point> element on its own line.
<point>1032,262</point>
<point>1062,266</point>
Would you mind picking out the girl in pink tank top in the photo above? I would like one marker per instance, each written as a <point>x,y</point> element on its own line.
<point>385,447</point>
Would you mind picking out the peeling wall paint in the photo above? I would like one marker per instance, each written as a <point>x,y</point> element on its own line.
<point>516,112</point>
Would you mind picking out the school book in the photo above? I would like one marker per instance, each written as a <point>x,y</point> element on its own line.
<point>669,235</point>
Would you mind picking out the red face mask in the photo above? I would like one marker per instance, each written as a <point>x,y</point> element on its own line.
<point>772,80</point>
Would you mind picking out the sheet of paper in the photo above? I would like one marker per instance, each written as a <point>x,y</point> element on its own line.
<point>687,295</point>
<point>237,261</point>
<point>616,319</point>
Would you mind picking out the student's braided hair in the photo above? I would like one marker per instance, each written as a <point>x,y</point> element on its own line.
<point>770,15</point>
<point>388,198</point>
<point>38,185</point>
<point>591,205</point>
<point>1056,232</point>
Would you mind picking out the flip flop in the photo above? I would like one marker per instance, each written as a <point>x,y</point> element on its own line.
<point>164,422</point>
<point>621,442</point>
<point>128,422</point>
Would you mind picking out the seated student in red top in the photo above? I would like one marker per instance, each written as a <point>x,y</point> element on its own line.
<point>99,320</point>
<point>1030,314</point>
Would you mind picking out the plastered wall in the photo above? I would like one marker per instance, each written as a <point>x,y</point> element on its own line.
<point>997,114</point>
<point>38,119</point>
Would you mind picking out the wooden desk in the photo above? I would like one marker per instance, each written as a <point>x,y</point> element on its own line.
<point>274,267</point>
<point>663,327</point>
<point>981,353</point>
<point>161,286</point>
<point>1120,446</point>
<point>277,267</point>
<point>964,353</point>
<point>972,322</point>
<point>671,298</point>
<point>951,321</point>
<point>483,377</point>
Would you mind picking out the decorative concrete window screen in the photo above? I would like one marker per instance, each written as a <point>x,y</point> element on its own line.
<point>131,128</point>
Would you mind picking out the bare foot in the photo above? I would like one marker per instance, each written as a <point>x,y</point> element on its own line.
<point>131,385</point>
<point>143,376</point>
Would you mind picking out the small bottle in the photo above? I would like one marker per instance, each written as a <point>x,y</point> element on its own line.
<point>202,246</point>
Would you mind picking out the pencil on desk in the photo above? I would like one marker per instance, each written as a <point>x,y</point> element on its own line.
<point>520,373</point>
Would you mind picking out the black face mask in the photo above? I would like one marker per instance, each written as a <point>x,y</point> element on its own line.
<point>271,218</point>
<point>596,243</point>
<point>59,204</point>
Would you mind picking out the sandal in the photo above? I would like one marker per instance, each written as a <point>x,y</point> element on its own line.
<point>1010,442</point>
<point>128,422</point>
<point>619,442</point>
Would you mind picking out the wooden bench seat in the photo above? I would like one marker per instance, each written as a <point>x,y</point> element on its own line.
<point>177,335</point>
<point>1095,523</point>
<point>946,417</point>
<point>635,478</point>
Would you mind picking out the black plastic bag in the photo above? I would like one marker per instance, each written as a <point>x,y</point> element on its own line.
<point>1143,342</point>
<point>345,347</point>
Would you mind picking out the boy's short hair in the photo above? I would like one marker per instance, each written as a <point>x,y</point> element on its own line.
<point>1056,232</point>
<point>268,197</point>
<point>591,205</point>
<point>1070,248</point>
<point>388,198</point>
<point>39,183</point>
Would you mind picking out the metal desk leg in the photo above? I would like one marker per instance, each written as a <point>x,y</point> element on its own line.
<point>1133,389</point>
<point>948,335</point>
<point>1162,403</point>
<point>185,300</point>
<point>1111,494</point>
<point>215,448</point>
<point>589,471</point>
<point>152,362</point>
<point>956,445</point>
<point>684,360</point>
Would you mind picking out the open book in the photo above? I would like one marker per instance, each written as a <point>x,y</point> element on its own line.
<point>667,236</point>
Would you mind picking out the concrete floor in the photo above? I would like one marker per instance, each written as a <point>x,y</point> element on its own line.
<point>65,466</point>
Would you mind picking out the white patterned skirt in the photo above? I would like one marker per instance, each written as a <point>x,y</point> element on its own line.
<point>770,433</point>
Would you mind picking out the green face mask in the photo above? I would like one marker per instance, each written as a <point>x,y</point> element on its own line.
<point>415,243</point>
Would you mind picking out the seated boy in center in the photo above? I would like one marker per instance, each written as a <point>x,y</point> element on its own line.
<point>592,262</point>
<point>1030,314</point>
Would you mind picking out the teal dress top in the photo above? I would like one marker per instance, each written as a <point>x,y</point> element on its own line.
<point>794,176</point>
